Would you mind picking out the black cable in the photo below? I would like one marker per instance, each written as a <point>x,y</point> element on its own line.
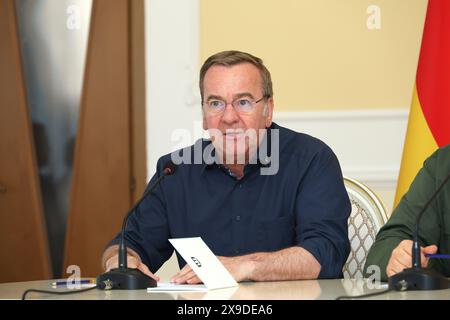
<point>55,292</point>
<point>364,295</point>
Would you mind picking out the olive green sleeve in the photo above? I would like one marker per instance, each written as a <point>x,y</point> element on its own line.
<point>403,219</point>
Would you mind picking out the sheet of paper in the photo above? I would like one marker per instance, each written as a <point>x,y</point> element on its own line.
<point>173,287</point>
<point>204,263</point>
<point>217,294</point>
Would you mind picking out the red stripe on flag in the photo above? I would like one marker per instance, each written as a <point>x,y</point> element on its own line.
<point>433,71</point>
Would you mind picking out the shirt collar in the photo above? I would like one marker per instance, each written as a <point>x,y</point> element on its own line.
<point>210,160</point>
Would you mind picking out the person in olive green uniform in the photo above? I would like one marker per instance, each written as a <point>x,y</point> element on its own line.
<point>392,248</point>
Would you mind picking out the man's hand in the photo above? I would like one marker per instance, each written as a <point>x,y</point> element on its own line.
<point>185,275</point>
<point>111,261</point>
<point>238,267</point>
<point>401,257</point>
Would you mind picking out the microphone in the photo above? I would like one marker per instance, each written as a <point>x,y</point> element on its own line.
<point>124,278</point>
<point>416,277</point>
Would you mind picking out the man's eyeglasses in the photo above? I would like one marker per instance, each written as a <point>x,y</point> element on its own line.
<point>241,105</point>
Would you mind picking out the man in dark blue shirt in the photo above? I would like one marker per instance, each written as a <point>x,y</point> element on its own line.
<point>268,201</point>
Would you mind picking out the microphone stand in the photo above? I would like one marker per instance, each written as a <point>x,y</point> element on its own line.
<point>418,278</point>
<point>124,278</point>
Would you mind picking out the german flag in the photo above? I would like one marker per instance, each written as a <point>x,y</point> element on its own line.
<point>429,118</point>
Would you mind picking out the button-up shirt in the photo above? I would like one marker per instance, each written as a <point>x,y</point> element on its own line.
<point>303,204</point>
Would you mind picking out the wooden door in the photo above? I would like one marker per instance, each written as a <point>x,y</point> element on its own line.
<point>109,170</point>
<point>23,240</point>
<point>109,167</point>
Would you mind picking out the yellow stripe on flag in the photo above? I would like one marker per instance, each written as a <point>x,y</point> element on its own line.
<point>419,145</point>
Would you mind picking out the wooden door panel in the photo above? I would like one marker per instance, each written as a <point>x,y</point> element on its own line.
<point>23,240</point>
<point>100,192</point>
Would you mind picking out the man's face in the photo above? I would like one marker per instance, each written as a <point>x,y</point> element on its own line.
<point>231,131</point>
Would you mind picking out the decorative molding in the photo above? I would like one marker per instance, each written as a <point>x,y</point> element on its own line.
<point>368,143</point>
<point>346,114</point>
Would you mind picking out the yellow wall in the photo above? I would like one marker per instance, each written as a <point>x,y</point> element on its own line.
<point>320,52</point>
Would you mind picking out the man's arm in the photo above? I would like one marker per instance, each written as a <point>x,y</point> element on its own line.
<point>322,209</point>
<point>110,260</point>
<point>287,264</point>
<point>390,251</point>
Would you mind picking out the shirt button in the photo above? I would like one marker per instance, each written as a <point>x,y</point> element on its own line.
<point>240,185</point>
<point>237,251</point>
<point>238,218</point>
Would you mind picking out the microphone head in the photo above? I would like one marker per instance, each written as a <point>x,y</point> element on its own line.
<point>169,168</point>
